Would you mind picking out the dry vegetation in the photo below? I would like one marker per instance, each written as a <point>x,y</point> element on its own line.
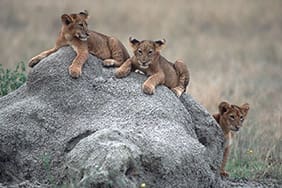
<point>233,50</point>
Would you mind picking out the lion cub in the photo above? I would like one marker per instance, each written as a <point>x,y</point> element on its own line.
<point>230,118</point>
<point>74,32</point>
<point>147,59</point>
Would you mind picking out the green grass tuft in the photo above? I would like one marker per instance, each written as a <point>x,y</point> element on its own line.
<point>10,80</point>
<point>251,165</point>
<point>245,168</point>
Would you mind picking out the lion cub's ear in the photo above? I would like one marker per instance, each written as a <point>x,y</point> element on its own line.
<point>84,14</point>
<point>245,108</point>
<point>66,19</point>
<point>160,44</point>
<point>223,107</point>
<point>134,42</point>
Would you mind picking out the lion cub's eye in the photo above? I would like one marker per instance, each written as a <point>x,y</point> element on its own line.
<point>241,118</point>
<point>139,51</point>
<point>81,25</point>
<point>232,117</point>
<point>150,52</point>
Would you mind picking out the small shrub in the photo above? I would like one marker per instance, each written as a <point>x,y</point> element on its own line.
<point>10,80</point>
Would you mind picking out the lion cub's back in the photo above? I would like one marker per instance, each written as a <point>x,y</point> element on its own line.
<point>171,79</point>
<point>98,45</point>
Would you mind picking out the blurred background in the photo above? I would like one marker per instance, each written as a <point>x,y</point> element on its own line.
<point>232,48</point>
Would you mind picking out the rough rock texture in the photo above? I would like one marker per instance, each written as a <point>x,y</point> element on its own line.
<point>99,131</point>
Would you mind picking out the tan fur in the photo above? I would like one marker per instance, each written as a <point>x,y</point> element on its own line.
<point>74,32</point>
<point>147,59</point>
<point>230,118</point>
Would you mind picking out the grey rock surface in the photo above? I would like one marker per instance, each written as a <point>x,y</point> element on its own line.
<point>99,131</point>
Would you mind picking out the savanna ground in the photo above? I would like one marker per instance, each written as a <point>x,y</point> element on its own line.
<point>233,50</point>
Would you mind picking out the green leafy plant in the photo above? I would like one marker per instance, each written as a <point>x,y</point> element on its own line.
<point>10,80</point>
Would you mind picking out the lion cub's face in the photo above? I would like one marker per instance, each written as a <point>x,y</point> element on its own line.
<point>232,116</point>
<point>146,50</point>
<point>75,26</point>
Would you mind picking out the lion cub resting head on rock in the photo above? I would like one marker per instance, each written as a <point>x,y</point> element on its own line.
<point>147,59</point>
<point>74,32</point>
<point>230,118</point>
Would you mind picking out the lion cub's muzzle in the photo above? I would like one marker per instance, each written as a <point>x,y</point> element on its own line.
<point>235,128</point>
<point>82,36</point>
<point>144,65</point>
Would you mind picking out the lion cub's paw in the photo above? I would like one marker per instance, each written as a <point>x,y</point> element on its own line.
<point>33,61</point>
<point>148,89</point>
<point>224,173</point>
<point>139,72</point>
<point>109,62</point>
<point>178,91</point>
<point>120,73</point>
<point>74,71</point>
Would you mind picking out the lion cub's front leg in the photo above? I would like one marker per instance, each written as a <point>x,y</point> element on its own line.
<point>149,85</point>
<point>225,157</point>
<point>81,56</point>
<point>33,61</point>
<point>124,69</point>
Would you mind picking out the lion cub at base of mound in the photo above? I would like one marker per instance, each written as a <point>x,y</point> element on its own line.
<point>230,118</point>
<point>147,59</point>
<point>74,32</point>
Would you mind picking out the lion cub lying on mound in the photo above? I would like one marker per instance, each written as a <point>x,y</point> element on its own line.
<point>230,118</point>
<point>147,59</point>
<point>74,32</point>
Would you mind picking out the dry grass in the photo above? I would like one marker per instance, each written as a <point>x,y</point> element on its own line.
<point>233,50</point>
